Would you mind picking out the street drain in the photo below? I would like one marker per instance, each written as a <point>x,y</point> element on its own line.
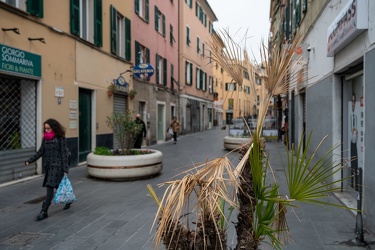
<point>35,201</point>
<point>21,239</point>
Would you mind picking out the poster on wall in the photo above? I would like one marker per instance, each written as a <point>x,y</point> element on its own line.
<point>356,130</point>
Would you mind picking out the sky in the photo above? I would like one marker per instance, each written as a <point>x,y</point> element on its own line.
<point>241,16</point>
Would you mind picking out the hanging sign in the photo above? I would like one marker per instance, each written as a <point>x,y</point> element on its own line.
<point>143,70</point>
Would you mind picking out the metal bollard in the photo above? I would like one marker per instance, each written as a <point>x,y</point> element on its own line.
<point>359,238</point>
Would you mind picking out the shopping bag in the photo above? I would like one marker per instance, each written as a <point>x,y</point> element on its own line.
<point>170,131</point>
<point>64,193</point>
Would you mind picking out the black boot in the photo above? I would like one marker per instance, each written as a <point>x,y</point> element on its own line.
<point>67,206</point>
<point>43,214</point>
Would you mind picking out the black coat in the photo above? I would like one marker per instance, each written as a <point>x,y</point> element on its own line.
<point>55,161</point>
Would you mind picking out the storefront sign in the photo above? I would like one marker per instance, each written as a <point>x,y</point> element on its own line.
<point>143,70</point>
<point>351,21</point>
<point>20,62</point>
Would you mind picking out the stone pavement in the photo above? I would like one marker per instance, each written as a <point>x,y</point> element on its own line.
<point>119,215</point>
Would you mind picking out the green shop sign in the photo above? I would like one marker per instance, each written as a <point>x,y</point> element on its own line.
<point>20,61</point>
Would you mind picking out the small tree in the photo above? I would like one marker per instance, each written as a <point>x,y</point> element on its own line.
<point>125,130</point>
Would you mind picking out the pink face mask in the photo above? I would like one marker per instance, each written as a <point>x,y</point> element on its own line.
<point>49,135</point>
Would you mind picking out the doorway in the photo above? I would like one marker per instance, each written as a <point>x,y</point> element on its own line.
<point>85,126</point>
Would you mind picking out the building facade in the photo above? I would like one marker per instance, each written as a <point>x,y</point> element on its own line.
<point>338,48</point>
<point>57,60</point>
<point>156,40</point>
<point>196,92</point>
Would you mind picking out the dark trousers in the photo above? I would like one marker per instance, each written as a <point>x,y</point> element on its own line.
<point>49,196</point>
<point>354,164</point>
<point>175,136</point>
<point>138,142</point>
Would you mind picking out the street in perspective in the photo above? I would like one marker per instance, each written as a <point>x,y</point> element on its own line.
<point>121,214</point>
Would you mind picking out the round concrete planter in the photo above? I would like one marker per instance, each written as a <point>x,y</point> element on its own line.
<point>125,167</point>
<point>231,143</point>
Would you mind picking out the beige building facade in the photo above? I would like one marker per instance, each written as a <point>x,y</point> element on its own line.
<point>57,61</point>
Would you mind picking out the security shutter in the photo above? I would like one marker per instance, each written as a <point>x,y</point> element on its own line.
<point>119,106</point>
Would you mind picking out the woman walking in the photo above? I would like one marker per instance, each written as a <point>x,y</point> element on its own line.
<point>55,161</point>
<point>175,125</point>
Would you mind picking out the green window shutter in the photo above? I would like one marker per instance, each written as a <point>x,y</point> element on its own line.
<point>203,49</point>
<point>186,70</point>
<point>136,6</point>
<point>157,68</point>
<point>165,72</point>
<point>128,40</point>
<point>304,6</point>
<point>35,7</point>
<point>163,19</point>
<point>156,18</point>
<point>147,12</point>
<point>187,36</point>
<point>298,12</point>
<point>171,34</point>
<point>191,73</point>
<point>98,23</point>
<point>74,17</point>
<point>137,49</point>
<point>113,30</point>
<point>226,86</point>
<point>198,45</point>
<point>147,55</point>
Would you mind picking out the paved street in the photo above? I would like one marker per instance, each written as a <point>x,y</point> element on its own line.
<point>119,215</point>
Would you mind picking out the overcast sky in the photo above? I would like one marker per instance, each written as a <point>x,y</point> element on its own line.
<point>240,16</point>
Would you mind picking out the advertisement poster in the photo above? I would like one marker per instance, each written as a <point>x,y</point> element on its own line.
<point>356,130</point>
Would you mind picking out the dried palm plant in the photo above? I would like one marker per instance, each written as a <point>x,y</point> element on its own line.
<point>191,212</point>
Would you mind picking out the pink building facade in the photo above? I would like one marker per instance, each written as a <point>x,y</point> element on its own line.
<point>155,41</point>
<point>196,92</point>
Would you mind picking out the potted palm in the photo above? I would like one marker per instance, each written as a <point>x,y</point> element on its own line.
<point>200,196</point>
<point>124,162</point>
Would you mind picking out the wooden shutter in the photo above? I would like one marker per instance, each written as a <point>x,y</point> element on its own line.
<point>165,72</point>
<point>136,6</point>
<point>128,45</point>
<point>74,17</point>
<point>163,21</point>
<point>137,50</point>
<point>157,69</point>
<point>156,18</point>
<point>98,23</point>
<point>35,7</point>
<point>113,30</point>
<point>147,12</point>
<point>147,55</point>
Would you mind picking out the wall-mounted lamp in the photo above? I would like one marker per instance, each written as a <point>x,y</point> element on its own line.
<point>41,39</point>
<point>15,30</point>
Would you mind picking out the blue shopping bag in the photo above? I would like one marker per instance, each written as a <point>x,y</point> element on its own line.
<point>64,193</point>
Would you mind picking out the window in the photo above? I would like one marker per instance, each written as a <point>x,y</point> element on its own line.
<point>246,75</point>
<point>172,74</point>
<point>120,35</point>
<point>161,70</point>
<point>230,86</point>
<point>203,49</point>
<point>198,78</point>
<point>258,100</point>
<point>159,21</point>
<point>198,45</point>
<point>211,84</point>
<point>34,7</point>
<point>203,80</point>
<point>258,81</point>
<point>188,73</point>
<point>142,54</point>
<point>189,3</point>
<point>210,27</point>
<point>200,14</point>
<point>188,36</point>
<point>171,36</point>
<point>142,9</point>
<point>86,20</point>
